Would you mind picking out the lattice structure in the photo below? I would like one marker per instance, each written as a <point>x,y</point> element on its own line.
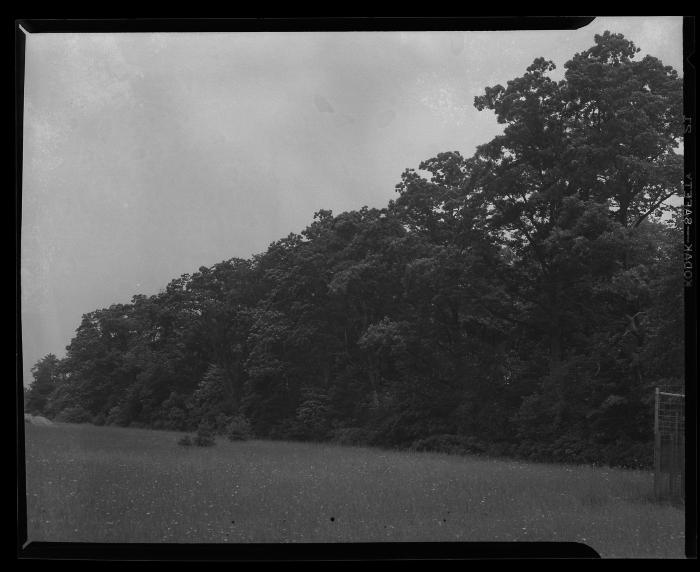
<point>669,445</point>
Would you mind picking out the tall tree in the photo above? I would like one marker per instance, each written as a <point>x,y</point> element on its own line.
<point>46,375</point>
<point>603,136</point>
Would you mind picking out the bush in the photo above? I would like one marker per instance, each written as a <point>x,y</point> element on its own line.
<point>204,440</point>
<point>74,414</point>
<point>288,429</point>
<point>176,419</point>
<point>205,436</point>
<point>117,416</point>
<point>573,450</point>
<point>238,429</point>
<point>404,426</point>
<point>312,418</point>
<point>627,455</point>
<point>353,436</point>
<point>498,449</point>
<point>450,444</point>
<point>186,441</point>
<point>221,421</point>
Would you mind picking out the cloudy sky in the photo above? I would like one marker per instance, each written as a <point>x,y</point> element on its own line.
<point>147,156</point>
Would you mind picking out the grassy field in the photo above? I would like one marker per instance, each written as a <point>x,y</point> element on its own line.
<point>106,484</point>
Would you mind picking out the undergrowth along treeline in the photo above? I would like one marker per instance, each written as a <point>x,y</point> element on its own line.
<point>523,301</point>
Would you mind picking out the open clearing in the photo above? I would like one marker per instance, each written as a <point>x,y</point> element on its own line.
<point>107,484</point>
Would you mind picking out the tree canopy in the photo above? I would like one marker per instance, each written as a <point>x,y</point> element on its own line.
<point>523,301</point>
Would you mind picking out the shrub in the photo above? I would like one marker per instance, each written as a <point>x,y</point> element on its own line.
<point>500,449</point>
<point>353,436</point>
<point>288,429</point>
<point>205,436</point>
<point>74,414</point>
<point>627,455</point>
<point>404,426</point>
<point>312,418</point>
<point>221,422</point>
<point>117,416</point>
<point>176,418</point>
<point>238,429</point>
<point>204,440</point>
<point>450,444</point>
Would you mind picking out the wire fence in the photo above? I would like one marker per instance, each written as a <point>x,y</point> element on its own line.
<point>669,445</point>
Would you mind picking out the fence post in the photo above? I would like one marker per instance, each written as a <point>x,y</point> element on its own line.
<point>657,448</point>
<point>675,467</point>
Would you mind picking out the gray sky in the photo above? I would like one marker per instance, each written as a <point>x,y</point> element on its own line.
<point>147,156</point>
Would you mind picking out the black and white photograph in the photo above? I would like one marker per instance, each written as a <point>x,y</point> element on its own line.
<point>307,286</point>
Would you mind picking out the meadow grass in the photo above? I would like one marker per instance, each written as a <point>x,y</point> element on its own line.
<point>108,484</point>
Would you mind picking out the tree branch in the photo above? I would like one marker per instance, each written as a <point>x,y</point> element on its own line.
<point>652,209</point>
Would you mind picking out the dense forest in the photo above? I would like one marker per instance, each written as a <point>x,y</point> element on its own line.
<point>524,301</point>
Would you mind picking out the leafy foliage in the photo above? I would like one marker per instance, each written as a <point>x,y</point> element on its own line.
<point>46,374</point>
<point>522,301</point>
<point>238,429</point>
<point>204,436</point>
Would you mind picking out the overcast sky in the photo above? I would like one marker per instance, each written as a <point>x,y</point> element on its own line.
<point>147,156</point>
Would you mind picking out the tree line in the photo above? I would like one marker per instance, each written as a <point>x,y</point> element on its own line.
<point>523,301</point>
